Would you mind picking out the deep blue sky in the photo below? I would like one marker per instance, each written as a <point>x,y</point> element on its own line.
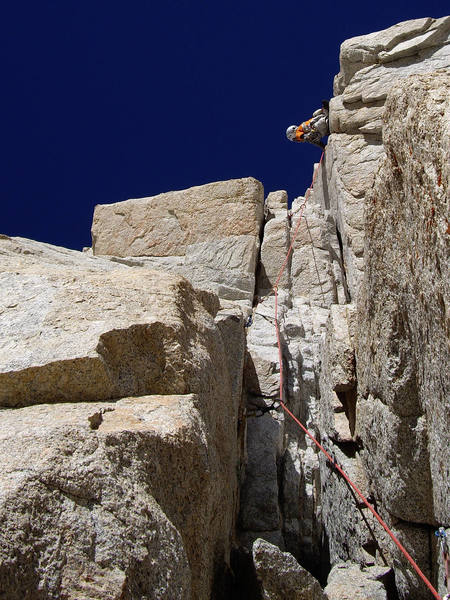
<point>104,100</point>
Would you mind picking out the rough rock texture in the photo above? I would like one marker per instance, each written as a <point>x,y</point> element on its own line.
<point>66,335</point>
<point>348,523</point>
<point>387,422</point>
<point>126,499</point>
<point>404,401</point>
<point>403,415</point>
<point>260,514</point>
<point>338,375</point>
<point>319,327</point>
<point>370,64</point>
<point>275,244</point>
<point>282,470</point>
<point>347,173</point>
<point>259,494</point>
<point>382,437</point>
<point>185,231</point>
<point>102,533</point>
<point>281,576</point>
<point>316,276</point>
<point>363,319</point>
<point>349,582</point>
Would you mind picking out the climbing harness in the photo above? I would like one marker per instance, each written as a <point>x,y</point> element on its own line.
<point>441,534</point>
<point>305,430</point>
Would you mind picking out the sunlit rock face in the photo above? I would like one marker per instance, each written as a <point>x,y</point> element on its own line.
<point>347,580</point>
<point>144,451</point>
<point>385,181</point>
<point>403,415</point>
<point>362,317</point>
<point>370,65</point>
<point>208,233</point>
<point>119,471</point>
<point>70,328</point>
<point>405,291</point>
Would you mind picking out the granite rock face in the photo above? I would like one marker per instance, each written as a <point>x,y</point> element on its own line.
<point>348,581</point>
<point>402,416</point>
<point>275,244</point>
<point>322,306</point>
<point>281,576</point>
<point>315,272</point>
<point>338,375</point>
<point>259,494</point>
<point>285,472</point>
<point>66,335</point>
<point>185,231</point>
<point>403,411</point>
<point>387,420</point>
<point>370,64</point>
<point>127,496</point>
<point>347,173</point>
<point>77,503</point>
<point>142,432</point>
<point>113,500</point>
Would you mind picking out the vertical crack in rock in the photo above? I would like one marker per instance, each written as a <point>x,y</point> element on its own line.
<point>342,263</point>
<point>120,471</point>
<point>374,411</point>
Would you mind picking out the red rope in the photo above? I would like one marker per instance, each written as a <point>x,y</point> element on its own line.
<point>321,448</point>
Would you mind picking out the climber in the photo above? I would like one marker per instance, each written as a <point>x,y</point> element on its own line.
<point>313,130</point>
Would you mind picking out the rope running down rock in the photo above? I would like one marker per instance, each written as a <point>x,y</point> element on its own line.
<point>305,430</point>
